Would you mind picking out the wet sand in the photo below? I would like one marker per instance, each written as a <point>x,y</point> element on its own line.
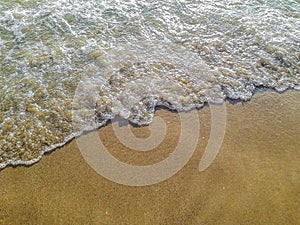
<point>255,178</point>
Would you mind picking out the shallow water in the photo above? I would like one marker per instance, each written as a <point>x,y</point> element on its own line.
<point>65,62</point>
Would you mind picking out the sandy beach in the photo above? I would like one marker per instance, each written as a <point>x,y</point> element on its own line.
<point>255,178</point>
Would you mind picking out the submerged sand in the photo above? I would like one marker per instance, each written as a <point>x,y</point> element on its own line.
<point>255,178</point>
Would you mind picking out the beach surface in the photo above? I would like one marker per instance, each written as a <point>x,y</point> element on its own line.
<point>255,178</point>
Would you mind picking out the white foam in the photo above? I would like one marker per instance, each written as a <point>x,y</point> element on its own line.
<point>214,50</point>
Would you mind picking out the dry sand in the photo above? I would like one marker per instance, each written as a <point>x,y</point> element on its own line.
<point>255,178</point>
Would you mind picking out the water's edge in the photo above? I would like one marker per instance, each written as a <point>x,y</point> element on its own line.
<point>70,138</point>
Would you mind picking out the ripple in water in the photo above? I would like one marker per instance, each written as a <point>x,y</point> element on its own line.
<point>102,59</point>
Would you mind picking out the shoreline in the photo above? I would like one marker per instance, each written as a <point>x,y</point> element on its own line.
<point>70,138</point>
<point>253,180</point>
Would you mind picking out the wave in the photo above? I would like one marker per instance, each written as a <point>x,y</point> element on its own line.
<point>70,66</point>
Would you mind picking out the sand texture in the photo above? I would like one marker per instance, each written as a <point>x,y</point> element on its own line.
<point>255,178</point>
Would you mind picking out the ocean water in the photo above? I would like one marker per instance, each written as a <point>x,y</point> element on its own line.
<point>65,60</point>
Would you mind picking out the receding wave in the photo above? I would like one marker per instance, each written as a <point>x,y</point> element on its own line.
<point>67,65</point>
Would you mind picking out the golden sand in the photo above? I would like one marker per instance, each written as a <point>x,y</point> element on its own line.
<point>255,178</point>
